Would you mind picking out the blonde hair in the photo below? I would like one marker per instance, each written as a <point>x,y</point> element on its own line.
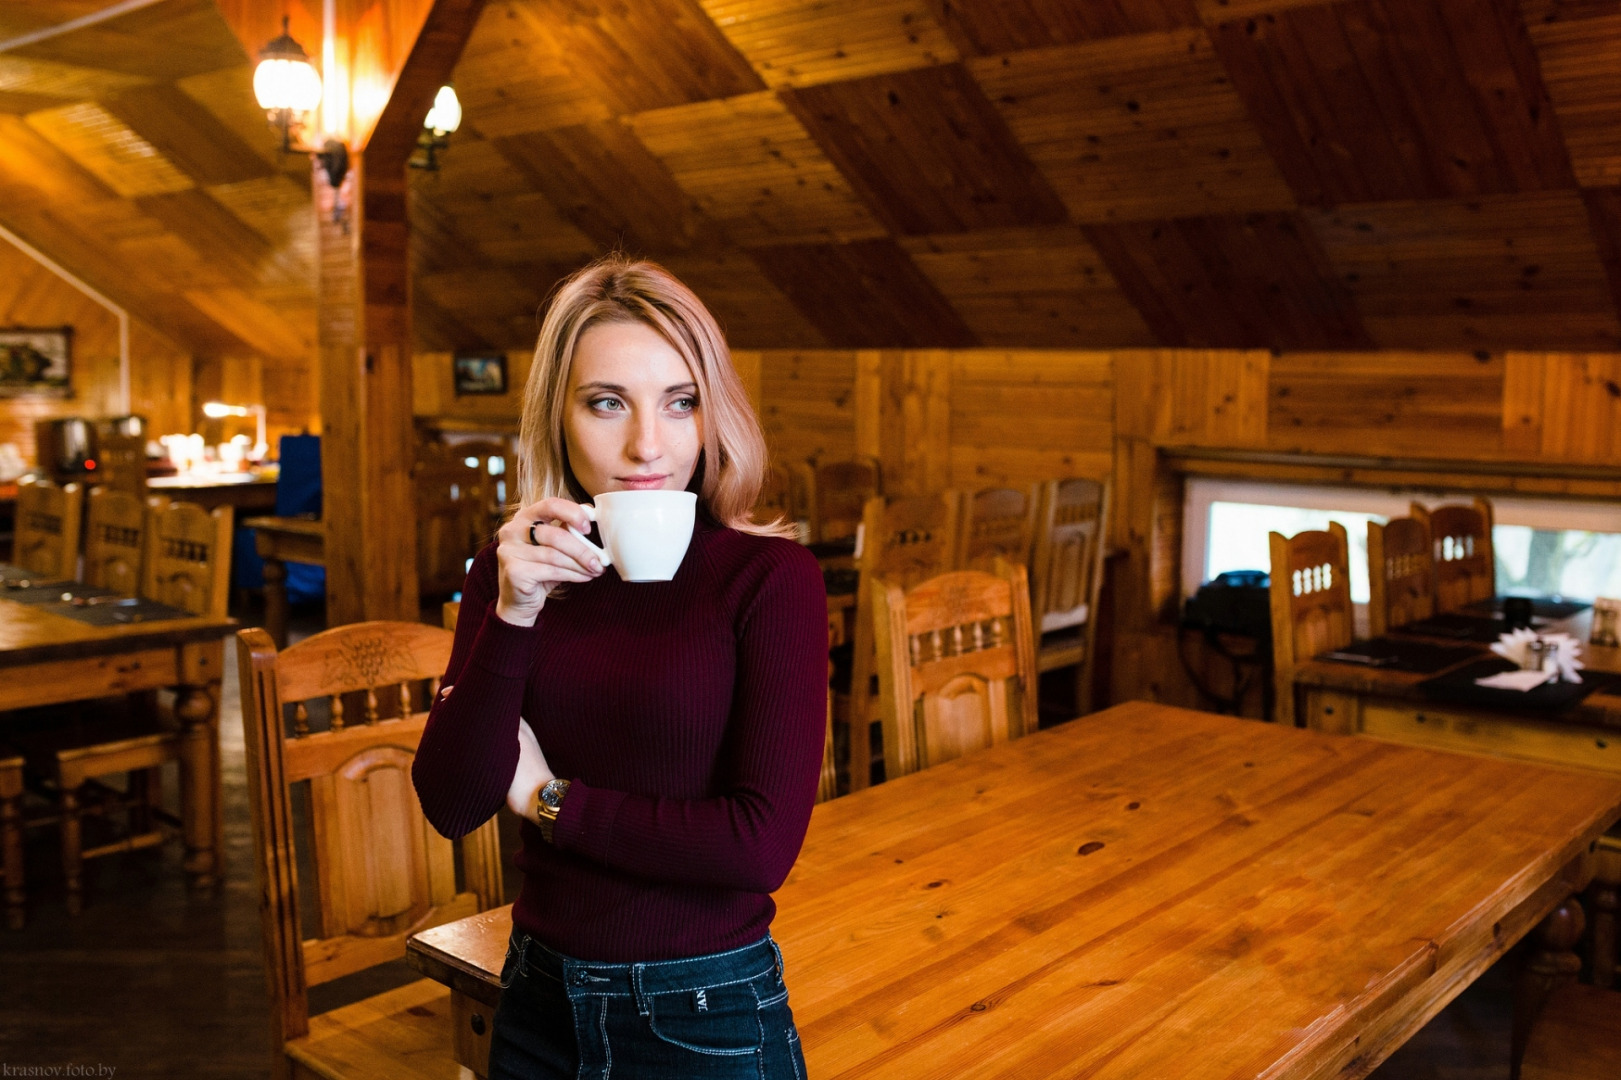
<point>615,288</point>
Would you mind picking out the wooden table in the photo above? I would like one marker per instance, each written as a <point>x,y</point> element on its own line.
<point>240,491</point>
<point>47,659</point>
<point>1349,698</point>
<point>281,540</point>
<point>1150,892</point>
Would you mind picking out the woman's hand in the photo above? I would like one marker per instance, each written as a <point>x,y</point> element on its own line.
<point>529,570</point>
<point>532,775</point>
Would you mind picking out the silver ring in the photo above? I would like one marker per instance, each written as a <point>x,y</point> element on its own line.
<point>532,539</point>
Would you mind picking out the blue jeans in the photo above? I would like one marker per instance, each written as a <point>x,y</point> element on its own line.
<point>712,1017</point>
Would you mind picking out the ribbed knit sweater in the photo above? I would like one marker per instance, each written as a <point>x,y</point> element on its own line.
<point>688,716</point>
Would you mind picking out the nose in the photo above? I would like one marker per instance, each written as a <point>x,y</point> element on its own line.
<point>645,444</point>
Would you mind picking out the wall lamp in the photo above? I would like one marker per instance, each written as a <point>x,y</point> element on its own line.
<point>442,120</point>
<point>218,410</point>
<point>288,89</point>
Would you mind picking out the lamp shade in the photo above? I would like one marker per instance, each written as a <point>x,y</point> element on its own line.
<point>285,78</point>
<point>446,114</point>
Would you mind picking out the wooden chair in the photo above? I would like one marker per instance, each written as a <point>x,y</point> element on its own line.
<point>450,613</point>
<point>47,530</point>
<point>1401,574</point>
<point>1311,604</point>
<point>188,557</point>
<point>957,665</point>
<point>997,523</point>
<point>838,495</point>
<point>11,836</point>
<point>120,461</point>
<point>187,565</point>
<point>828,786</point>
<point>907,539</point>
<point>381,872</point>
<point>1465,568</point>
<point>453,520</point>
<point>782,496</point>
<point>1066,572</point>
<point>114,540</point>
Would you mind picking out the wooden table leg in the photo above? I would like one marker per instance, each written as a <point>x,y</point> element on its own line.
<point>11,844</point>
<point>276,601</point>
<point>1552,963</point>
<point>196,708</point>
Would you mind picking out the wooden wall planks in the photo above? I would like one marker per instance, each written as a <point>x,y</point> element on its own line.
<point>160,371</point>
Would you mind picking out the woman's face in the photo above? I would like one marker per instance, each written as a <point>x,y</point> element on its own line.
<point>633,421</point>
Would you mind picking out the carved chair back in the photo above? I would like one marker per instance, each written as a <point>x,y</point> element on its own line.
<point>957,665</point>
<point>334,721</point>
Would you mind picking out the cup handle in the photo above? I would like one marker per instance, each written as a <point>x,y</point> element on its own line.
<point>591,512</point>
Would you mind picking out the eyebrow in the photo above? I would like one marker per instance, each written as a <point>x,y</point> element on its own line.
<point>616,388</point>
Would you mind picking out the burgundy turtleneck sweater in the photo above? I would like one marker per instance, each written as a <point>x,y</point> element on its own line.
<point>688,716</point>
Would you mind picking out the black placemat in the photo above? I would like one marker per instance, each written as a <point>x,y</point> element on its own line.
<point>1401,654</point>
<point>47,593</point>
<point>127,610</point>
<point>1541,608</point>
<point>1455,625</point>
<point>1459,688</point>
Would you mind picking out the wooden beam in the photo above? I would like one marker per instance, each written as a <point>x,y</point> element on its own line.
<point>364,334</point>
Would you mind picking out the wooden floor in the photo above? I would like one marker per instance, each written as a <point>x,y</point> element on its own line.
<point>153,982</point>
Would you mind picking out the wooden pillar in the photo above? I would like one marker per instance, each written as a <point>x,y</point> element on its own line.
<point>364,332</point>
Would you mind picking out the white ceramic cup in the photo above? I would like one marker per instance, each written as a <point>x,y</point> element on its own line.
<point>644,533</point>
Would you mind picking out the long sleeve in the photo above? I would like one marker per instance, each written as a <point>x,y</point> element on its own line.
<point>748,836</point>
<point>469,749</point>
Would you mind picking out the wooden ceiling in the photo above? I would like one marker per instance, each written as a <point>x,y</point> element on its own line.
<point>1208,173</point>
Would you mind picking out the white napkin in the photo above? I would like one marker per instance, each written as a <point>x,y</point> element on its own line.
<point>1516,680</point>
<point>1514,645</point>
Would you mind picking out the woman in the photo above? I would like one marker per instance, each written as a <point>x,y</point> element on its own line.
<point>677,726</point>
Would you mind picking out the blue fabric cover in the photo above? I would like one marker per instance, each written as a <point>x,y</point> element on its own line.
<point>298,491</point>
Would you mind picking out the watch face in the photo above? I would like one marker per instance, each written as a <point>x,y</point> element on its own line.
<point>552,794</point>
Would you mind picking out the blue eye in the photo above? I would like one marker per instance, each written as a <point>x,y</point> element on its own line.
<point>606,404</point>
<point>686,404</point>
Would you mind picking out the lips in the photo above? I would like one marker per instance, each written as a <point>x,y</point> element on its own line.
<point>642,483</point>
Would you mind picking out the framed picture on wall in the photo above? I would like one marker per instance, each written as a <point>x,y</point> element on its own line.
<point>36,361</point>
<point>480,373</point>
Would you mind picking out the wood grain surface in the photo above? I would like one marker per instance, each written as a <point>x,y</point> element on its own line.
<point>1151,891</point>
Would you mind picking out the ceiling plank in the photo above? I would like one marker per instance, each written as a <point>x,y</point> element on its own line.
<point>1398,99</point>
<point>187,134</point>
<point>610,187</point>
<point>1239,281</point>
<point>1134,129</point>
<point>1014,25</point>
<point>927,151</point>
<point>866,293</point>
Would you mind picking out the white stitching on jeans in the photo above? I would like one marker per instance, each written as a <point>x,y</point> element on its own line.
<point>793,1058</point>
<point>607,1052</point>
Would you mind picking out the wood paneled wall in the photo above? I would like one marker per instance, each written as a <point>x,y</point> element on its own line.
<point>160,371</point>
<point>981,417</point>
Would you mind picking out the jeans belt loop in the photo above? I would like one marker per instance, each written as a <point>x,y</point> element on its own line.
<point>643,1006</point>
<point>776,949</point>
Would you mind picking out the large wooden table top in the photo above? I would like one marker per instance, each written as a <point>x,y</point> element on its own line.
<point>30,634</point>
<point>1154,892</point>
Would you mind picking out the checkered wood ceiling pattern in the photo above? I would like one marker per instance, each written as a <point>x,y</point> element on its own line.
<point>1283,173</point>
<point>1072,173</point>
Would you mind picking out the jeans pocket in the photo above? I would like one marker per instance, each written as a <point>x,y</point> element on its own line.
<point>719,1020</point>
<point>513,964</point>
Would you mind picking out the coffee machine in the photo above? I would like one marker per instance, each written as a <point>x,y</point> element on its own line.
<point>66,448</point>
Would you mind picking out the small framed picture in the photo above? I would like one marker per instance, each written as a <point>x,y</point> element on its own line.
<point>480,373</point>
<point>36,361</point>
<point>1606,623</point>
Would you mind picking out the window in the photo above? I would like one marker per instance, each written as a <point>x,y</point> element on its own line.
<point>1543,547</point>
